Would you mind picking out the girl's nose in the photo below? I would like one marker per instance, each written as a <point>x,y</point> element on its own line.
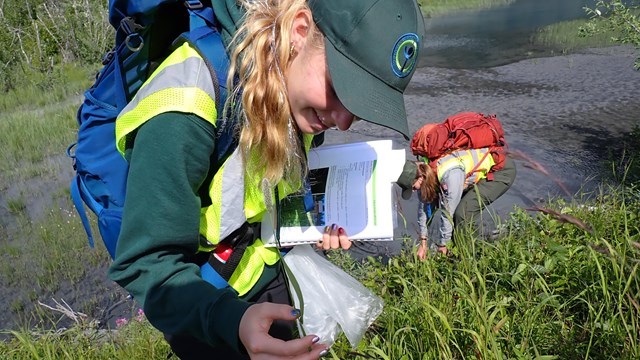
<point>342,118</point>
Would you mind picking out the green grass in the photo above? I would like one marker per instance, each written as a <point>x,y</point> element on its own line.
<point>37,121</point>
<point>42,242</point>
<point>38,89</point>
<point>439,7</point>
<point>547,290</point>
<point>567,37</point>
<point>134,340</point>
<point>56,253</point>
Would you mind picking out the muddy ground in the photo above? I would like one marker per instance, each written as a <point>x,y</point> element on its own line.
<point>567,113</point>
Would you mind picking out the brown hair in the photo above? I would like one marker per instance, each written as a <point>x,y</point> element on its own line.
<point>261,57</point>
<point>429,186</point>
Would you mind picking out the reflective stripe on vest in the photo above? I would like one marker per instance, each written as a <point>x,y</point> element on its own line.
<point>468,160</point>
<point>186,86</point>
<point>232,205</point>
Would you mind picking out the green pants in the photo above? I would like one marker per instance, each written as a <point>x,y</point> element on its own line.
<point>484,193</point>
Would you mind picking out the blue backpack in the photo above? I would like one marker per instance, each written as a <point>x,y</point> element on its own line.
<point>146,33</point>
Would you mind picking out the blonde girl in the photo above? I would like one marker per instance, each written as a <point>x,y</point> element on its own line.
<point>298,68</point>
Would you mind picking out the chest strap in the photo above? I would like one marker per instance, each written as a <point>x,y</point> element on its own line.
<point>224,260</point>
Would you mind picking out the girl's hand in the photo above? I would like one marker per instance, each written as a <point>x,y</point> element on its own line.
<point>422,250</point>
<point>254,334</point>
<point>334,237</point>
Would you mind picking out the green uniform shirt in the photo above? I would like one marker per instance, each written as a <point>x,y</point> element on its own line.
<point>169,161</point>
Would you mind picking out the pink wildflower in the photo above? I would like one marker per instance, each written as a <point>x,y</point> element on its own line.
<point>140,316</point>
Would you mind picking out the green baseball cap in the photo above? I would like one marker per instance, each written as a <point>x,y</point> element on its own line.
<point>372,48</point>
<point>407,178</point>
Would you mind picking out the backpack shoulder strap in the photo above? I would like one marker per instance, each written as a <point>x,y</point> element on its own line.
<point>206,40</point>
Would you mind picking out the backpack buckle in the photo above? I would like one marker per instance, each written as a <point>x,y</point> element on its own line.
<point>132,29</point>
<point>108,57</point>
<point>193,5</point>
<point>130,26</point>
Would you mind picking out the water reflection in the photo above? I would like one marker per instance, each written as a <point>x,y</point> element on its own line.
<point>496,36</point>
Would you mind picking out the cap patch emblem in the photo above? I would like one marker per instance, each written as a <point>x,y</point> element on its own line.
<point>405,55</point>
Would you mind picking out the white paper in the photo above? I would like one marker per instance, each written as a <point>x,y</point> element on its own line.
<point>352,186</point>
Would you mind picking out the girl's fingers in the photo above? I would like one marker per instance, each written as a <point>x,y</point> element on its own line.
<point>334,237</point>
<point>335,240</point>
<point>325,237</point>
<point>330,237</point>
<point>325,242</point>
<point>254,328</point>
<point>307,347</point>
<point>343,238</point>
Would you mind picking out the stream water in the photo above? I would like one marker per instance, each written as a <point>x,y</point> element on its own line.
<point>495,36</point>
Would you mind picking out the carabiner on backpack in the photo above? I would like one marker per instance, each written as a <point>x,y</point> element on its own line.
<point>132,29</point>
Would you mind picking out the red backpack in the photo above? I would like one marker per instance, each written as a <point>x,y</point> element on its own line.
<point>466,130</point>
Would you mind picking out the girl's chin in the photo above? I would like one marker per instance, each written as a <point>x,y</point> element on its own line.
<point>313,129</point>
<point>316,132</point>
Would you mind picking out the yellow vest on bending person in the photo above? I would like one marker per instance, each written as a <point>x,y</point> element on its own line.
<point>186,86</point>
<point>476,163</point>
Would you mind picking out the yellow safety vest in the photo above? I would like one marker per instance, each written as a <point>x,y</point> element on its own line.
<point>186,86</point>
<point>476,163</point>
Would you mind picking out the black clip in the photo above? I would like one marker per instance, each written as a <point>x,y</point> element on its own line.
<point>130,26</point>
<point>108,57</point>
<point>193,5</point>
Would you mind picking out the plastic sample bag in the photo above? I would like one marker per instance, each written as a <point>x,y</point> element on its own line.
<point>332,299</point>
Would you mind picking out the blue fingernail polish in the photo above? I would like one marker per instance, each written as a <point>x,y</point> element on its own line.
<point>296,313</point>
<point>324,353</point>
<point>334,227</point>
<point>315,339</point>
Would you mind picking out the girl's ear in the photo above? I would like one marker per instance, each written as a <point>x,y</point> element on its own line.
<point>300,28</point>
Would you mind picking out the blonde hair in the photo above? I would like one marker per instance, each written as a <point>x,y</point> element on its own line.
<point>429,186</point>
<point>260,56</point>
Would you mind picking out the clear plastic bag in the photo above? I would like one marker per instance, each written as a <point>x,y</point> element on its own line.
<point>333,300</point>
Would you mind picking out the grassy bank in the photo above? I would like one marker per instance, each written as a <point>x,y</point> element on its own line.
<point>440,7</point>
<point>560,284</point>
<point>567,37</point>
<point>43,246</point>
<point>134,340</point>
